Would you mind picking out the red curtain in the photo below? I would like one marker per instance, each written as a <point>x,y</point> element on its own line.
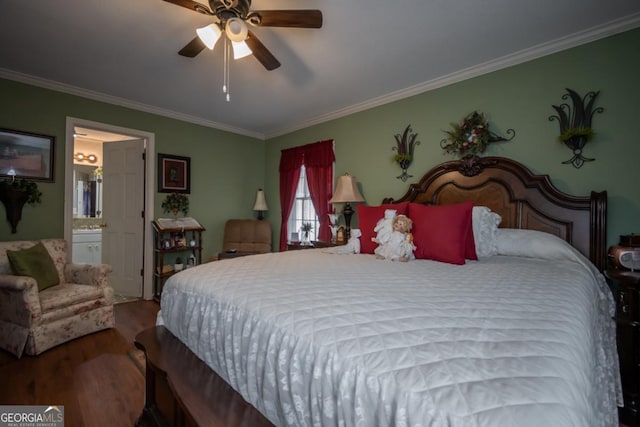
<point>290,163</point>
<point>318,159</point>
<point>318,163</point>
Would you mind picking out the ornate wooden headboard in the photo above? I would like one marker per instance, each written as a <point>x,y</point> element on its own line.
<point>524,200</point>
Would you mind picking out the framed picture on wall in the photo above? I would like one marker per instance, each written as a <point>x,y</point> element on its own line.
<point>26,155</point>
<point>174,174</point>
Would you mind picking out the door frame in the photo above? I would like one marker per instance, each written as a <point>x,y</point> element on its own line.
<point>149,189</point>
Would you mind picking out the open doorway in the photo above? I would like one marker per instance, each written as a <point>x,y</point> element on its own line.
<point>109,175</point>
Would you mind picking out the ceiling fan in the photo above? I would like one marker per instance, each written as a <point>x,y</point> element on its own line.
<point>232,19</point>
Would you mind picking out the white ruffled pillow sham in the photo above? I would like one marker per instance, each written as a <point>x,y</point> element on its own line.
<point>485,227</point>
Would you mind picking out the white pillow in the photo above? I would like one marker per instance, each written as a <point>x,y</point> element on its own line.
<point>485,225</point>
<point>537,244</point>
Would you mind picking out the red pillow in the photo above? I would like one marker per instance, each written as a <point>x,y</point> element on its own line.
<point>441,232</point>
<point>368,217</point>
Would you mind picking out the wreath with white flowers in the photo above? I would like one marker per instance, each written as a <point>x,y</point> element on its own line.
<point>471,135</point>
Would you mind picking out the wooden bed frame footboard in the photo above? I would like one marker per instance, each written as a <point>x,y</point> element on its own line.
<point>182,391</point>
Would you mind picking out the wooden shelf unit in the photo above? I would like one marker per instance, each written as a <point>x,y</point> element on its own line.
<point>181,239</point>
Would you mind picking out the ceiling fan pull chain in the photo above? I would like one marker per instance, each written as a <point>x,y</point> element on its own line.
<point>228,73</point>
<point>225,71</point>
<point>225,66</point>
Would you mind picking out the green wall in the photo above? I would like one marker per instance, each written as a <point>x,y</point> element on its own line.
<point>519,97</point>
<point>226,169</point>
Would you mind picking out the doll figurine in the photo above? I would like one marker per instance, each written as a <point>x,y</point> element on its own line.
<point>400,245</point>
<point>352,246</point>
<point>384,227</point>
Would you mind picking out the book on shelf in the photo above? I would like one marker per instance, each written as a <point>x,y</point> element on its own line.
<point>186,223</point>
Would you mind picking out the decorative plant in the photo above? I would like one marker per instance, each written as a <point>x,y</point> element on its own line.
<point>177,265</point>
<point>306,228</point>
<point>405,144</point>
<point>14,193</point>
<point>30,188</point>
<point>176,202</point>
<point>471,136</point>
<point>575,124</point>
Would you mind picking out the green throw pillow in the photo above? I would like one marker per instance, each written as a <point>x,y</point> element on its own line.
<point>35,262</point>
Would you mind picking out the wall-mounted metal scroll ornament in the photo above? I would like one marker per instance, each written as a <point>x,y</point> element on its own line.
<point>575,124</point>
<point>405,144</point>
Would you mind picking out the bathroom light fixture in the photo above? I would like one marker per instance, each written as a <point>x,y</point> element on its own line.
<point>91,158</point>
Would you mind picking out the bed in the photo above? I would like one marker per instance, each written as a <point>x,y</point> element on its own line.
<point>523,336</point>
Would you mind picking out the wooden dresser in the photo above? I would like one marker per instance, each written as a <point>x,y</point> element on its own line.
<point>626,290</point>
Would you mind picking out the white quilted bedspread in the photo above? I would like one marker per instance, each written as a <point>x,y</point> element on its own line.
<point>317,339</point>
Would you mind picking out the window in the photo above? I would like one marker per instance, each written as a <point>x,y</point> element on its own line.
<point>303,210</point>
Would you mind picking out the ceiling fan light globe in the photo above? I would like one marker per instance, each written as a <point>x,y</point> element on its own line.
<point>209,35</point>
<point>240,50</point>
<point>236,29</point>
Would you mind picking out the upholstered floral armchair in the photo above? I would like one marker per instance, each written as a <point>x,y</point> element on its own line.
<point>77,302</point>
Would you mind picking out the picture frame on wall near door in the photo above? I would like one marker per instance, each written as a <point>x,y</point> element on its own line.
<point>26,155</point>
<point>174,174</point>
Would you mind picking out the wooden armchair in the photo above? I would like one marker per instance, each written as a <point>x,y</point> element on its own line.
<point>32,321</point>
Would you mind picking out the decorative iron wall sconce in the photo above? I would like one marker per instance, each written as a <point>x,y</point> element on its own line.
<point>575,124</point>
<point>471,136</point>
<point>405,144</point>
<point>14,194</point>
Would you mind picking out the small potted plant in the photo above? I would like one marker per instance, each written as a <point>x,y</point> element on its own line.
<point>176,202</point>
<point>14,193</point>
<point>306,228</point>
<point>177,265</point>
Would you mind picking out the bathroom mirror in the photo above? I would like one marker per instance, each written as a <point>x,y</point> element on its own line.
<point>87,191</point>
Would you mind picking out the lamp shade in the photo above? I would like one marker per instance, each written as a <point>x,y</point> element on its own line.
<point>347,190</point>
<point>240,49</point>
<point>261,203</point>
<point>209,35</point>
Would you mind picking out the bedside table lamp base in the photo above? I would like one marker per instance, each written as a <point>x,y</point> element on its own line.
<point>348,213</point>
<point>347,192</point>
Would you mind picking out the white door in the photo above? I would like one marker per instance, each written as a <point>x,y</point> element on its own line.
<point>123,205</point>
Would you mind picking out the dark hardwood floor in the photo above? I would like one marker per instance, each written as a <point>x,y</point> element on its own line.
<point>93,376</point>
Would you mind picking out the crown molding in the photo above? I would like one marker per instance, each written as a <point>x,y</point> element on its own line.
<point>605,30</point>
<point>123,102</point>
<point>583,37</point>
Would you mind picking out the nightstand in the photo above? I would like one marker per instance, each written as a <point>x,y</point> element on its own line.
<point>312,245</point>
<point>625,286</point>
<point>229,255</point>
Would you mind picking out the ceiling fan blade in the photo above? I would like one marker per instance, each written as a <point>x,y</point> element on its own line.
<point>193,5</point>
<point>192,48</point>
<point>311,18</point>
<point>261,53</point>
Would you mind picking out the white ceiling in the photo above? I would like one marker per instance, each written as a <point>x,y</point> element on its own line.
<point>367,53</point>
